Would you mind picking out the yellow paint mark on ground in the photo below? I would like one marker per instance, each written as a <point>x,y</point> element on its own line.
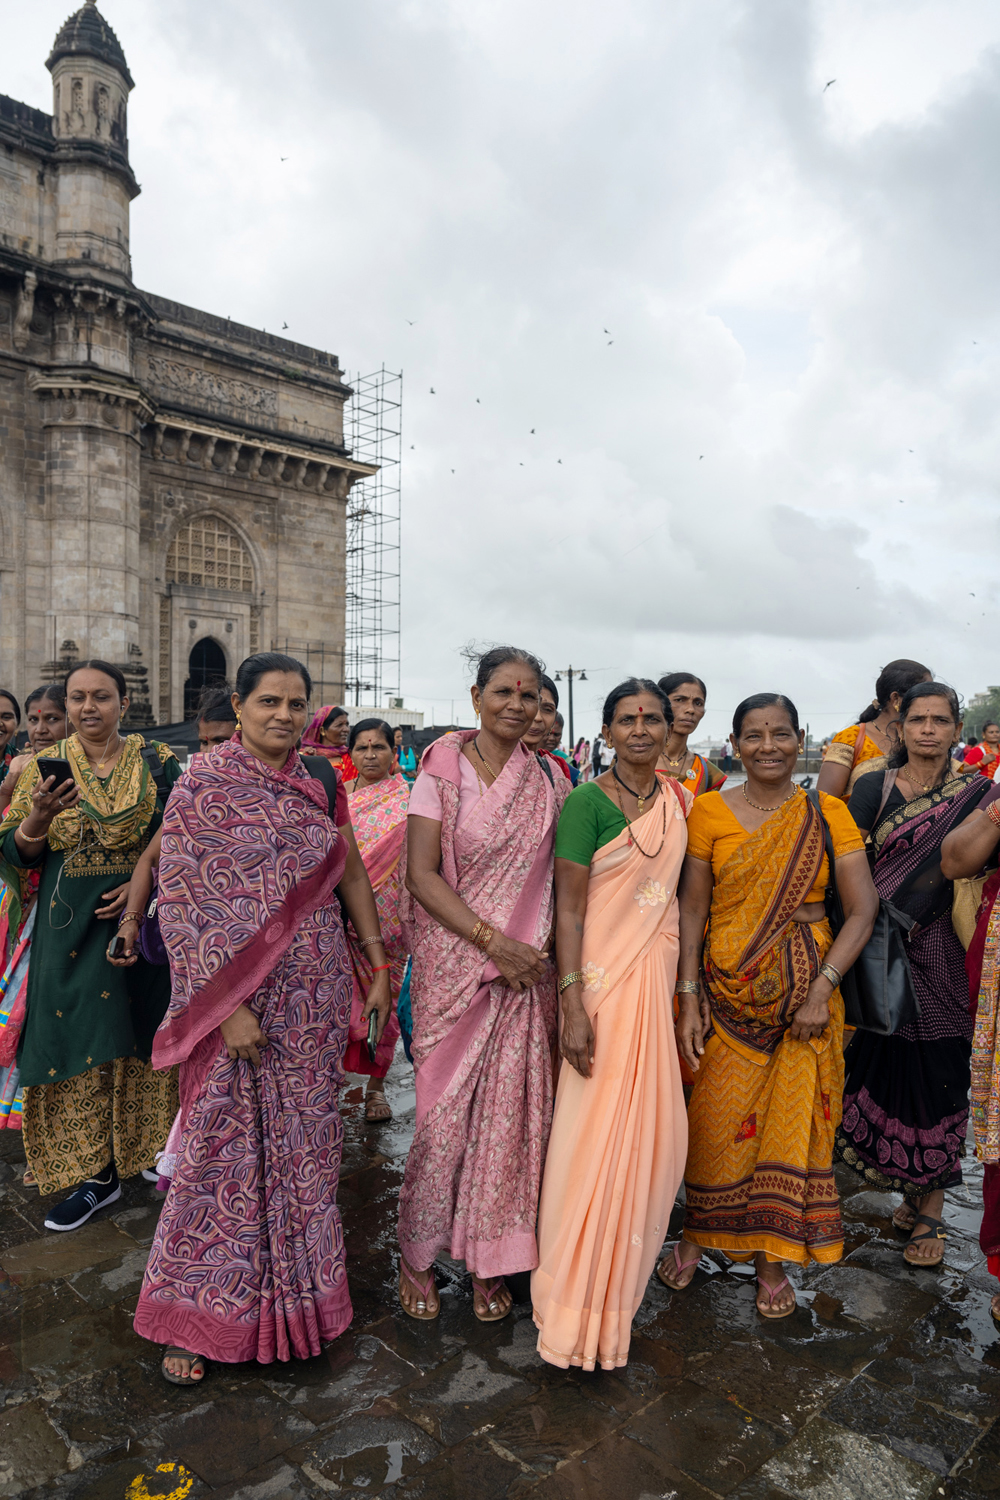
<point>139,1490</point>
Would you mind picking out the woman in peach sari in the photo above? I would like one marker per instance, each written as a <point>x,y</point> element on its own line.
<point>619,1134</point>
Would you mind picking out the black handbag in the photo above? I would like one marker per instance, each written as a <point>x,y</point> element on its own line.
<point>878,989</point>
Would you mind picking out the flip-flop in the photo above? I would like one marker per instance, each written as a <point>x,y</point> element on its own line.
<point>488,1293</point>
<point>425,1316</point>
<point>936,1232</point>
<point>196,1359</point>
<point>772,1292</point>
<point>680,1265</point>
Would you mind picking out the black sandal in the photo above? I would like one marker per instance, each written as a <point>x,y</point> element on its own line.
<point>936,1232</point>
<point>196,1359</point>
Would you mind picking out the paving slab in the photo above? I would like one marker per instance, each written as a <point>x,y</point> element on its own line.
<point>908,1426</point>
<point>367,1451</point>
<point>58,1255</point>
<point>31,1451</point>
<point>712,1440</point>
<point>827,1462</point>
<point>347,1377</point>
<point>225,1436</point>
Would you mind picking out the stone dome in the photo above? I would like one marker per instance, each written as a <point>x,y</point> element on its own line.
<point>87,34</point>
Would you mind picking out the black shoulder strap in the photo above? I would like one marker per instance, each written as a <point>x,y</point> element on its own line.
<point>320,767</point>
<point>544,759</point>
<point>151,756</point>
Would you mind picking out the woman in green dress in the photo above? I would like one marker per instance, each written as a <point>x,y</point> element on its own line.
<point>93,1107</point>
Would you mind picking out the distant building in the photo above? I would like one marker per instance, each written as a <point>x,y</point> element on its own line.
<point>173,486</point>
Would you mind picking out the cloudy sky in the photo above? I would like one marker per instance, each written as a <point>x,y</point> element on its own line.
<point>754,321</point>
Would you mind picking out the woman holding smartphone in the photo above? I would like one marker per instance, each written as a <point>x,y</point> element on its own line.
<point>93,1107</point>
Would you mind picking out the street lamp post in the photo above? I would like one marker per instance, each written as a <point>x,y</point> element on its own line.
<point>569,673</point>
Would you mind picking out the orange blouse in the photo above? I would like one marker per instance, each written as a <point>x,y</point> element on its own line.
<point>714,833</point>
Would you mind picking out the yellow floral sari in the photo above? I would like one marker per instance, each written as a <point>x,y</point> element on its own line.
<point>765,1107</point>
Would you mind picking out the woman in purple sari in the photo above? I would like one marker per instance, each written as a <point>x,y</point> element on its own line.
<point>248,1259</point>
<point>481,835</point>
<point>906,1096</point>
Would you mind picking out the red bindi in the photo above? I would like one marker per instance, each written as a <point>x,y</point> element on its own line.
<point>519,682</point>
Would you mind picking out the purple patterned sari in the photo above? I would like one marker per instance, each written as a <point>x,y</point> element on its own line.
<point>906,1096</point>
<point>248,1259</point>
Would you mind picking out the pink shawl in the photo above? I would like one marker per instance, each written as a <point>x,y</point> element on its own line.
<point>248,852</point>
<point>500,862</point>
<point>378,816</point>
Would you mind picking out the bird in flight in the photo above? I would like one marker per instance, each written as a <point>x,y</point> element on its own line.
<point>532,431</point>
<point>610,342</point>
<point>433,391</point>
<point>411,321</point>
<point>283,158</point>
<point>284,325</point>
<point>558,460</point>
<point>478,402</point>
<point>607,330</point>
<point>829,85</point>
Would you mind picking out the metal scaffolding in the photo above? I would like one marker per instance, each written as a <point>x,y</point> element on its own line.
<point>371,623</point>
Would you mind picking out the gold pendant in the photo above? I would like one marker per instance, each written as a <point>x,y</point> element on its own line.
<point>641,800</point>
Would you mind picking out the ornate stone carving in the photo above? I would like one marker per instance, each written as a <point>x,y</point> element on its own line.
<point>24,311</point>
<point>197,386</point>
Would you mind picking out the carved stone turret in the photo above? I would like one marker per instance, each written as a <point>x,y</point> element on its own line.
<point>91,84</point>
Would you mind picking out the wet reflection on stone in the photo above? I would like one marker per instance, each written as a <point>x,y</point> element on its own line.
<point>885,1383</point>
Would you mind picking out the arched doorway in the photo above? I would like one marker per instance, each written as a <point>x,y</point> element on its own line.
<point>206,664</point>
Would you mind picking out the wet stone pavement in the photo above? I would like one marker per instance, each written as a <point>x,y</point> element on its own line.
<point>885,1383</point>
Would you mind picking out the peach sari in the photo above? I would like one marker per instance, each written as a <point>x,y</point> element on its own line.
<point>619,1139</point>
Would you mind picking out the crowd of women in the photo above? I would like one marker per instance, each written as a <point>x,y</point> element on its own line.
<point>609,985</point>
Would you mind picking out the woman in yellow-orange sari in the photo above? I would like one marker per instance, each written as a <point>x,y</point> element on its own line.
<point>866,746</point>
<point>619,1134</point>
<point>761,1021</point>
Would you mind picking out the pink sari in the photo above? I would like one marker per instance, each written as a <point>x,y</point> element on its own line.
<point>378,816</point>
<point>248,1258</point>
<point>482,1052</point>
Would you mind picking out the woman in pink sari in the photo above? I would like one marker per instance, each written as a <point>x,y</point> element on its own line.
<point>479,869</point>
<point>327,735</point>
<point>248,1259</point>
<point>619,1134</point>
<point>377,801</point>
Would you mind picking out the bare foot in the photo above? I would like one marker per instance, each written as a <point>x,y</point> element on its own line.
<point>417,1292</point>
<point>675,1270</point>
<point>183,1367</point>
<point>771,1302</point>
<point>490,1299</point>
<point>376,1108</point>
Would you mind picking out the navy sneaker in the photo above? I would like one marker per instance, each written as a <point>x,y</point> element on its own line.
<point>91,1195</point>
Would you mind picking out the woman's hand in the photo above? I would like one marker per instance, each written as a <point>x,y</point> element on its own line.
<point>129,931</point>
<point>47,800</point>
<point>520,965</point>
<point>9,784</point>
<point>691,1027</point>
<point>242,1035</point>
<point>813,1015</point>
<point>379,999</point>
<point>576,1043</point>
<point>115,902</point>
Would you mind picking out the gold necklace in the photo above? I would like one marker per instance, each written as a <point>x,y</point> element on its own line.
<point>482,757</point>
<point>761,808</point>
<point>105,757</point>
<point>640,797</point>
<point>628,824</point>
<point>678,762</point>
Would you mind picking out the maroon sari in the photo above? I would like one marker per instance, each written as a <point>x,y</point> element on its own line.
<point>248,1258</point>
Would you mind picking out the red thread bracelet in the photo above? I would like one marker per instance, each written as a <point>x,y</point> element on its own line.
<point>377,967</point>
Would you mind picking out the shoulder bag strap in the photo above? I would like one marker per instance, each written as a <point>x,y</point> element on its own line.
<point>834,905</point>
<point>151,756</point>
<point>859,745</point>
<point>888,782</point>
<point>319,767</point>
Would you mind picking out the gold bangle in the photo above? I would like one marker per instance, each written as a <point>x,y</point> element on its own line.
<point>481,935</point>
<point>367,942</point>
<point>833,975</point>
<point>687,987</point>
<point>30,838</point>
<point>575,978</point>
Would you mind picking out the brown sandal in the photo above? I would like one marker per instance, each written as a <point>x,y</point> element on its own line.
<point>377,1098</point>
<point>935,1231</point>
<point>772,1292</point>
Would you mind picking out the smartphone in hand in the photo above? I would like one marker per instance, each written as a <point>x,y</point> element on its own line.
<point>60,769</point>
<point>372,1034</point>
<point>116,947</point>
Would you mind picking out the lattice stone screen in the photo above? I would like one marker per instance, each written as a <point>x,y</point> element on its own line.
<point>208,553</point>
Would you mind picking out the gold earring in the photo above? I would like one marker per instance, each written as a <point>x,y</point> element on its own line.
<point>736,755</point>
